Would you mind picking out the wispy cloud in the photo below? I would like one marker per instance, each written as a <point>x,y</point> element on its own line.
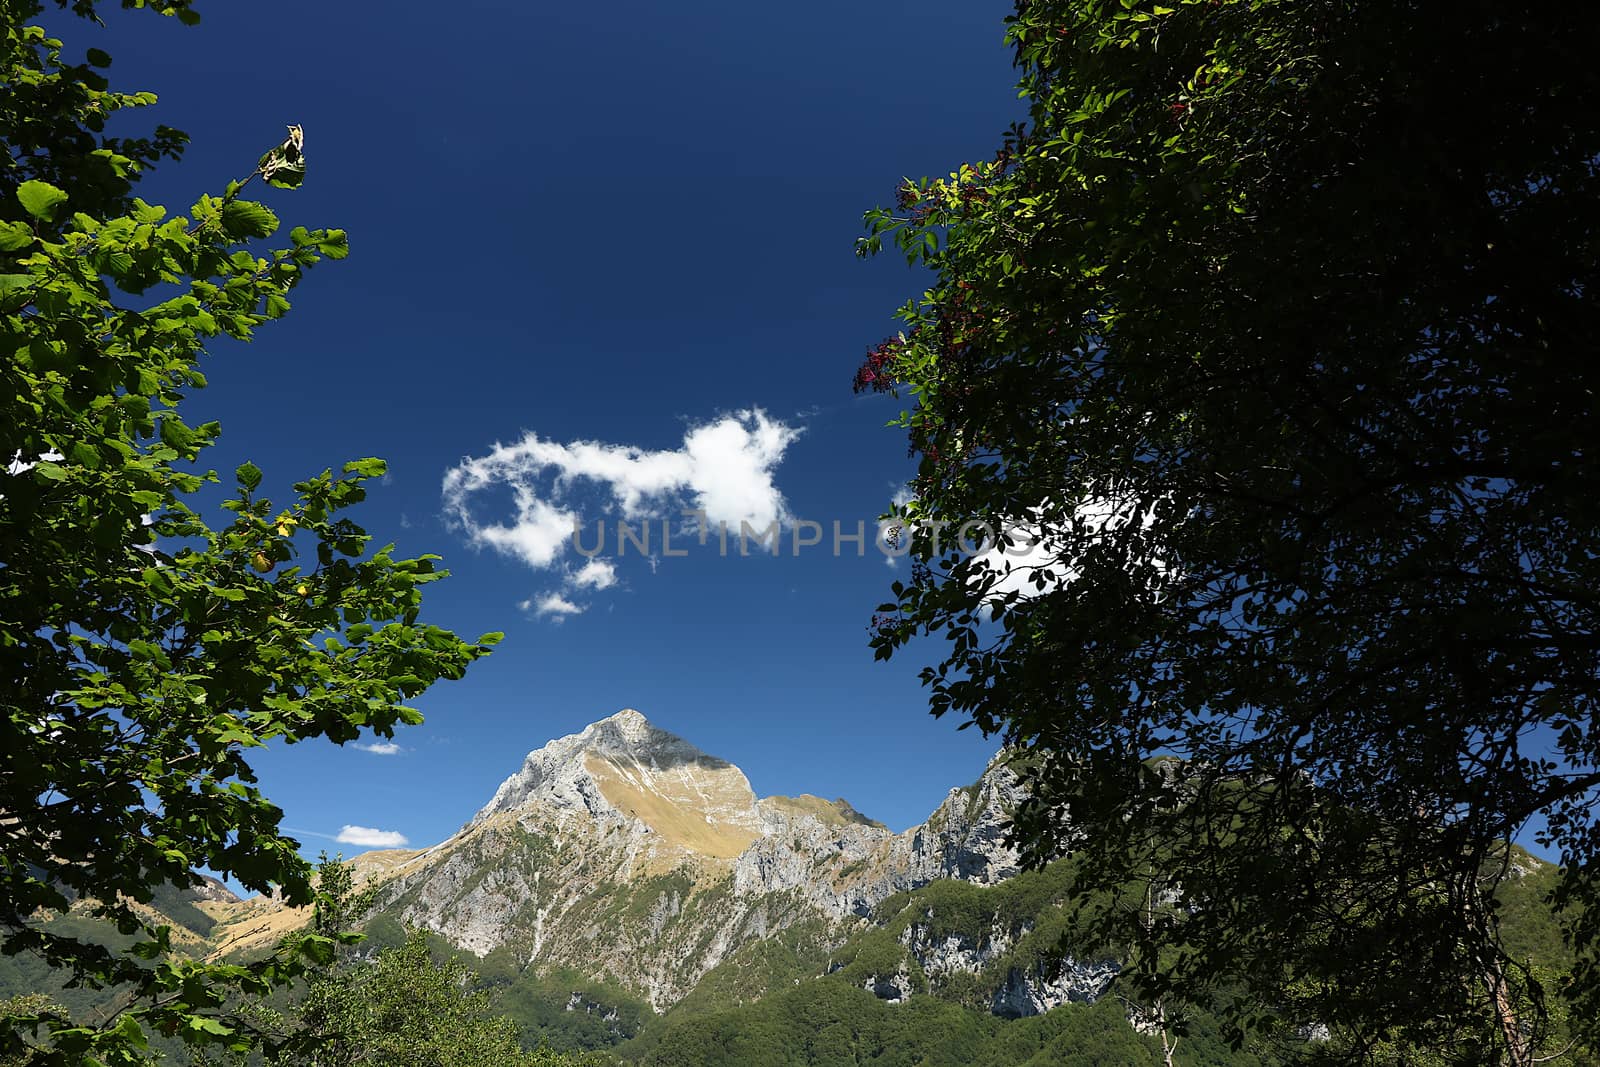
<point>724,469</point>
<point>553,606</point>
<point>379,748</point>
<point>360,836</point>
<point>596,574</point>
<point>368,837</point>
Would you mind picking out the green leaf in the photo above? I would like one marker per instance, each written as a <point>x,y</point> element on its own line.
<point>316,949</point>
<point>176,435</point>
<point>249,476</point>
<point>246,218</point>
<point>15,236</point>
<point>97,58</point>
<point>146,950</point>
<point>334,244</point>
<point>200,1024</point>
<point>129,1030</point>
<point>11,283</point>
<point>371,467</point>
<point>40,199</point>
<point>288,177</point>
<point>156,580</point>
<point>50,472</point>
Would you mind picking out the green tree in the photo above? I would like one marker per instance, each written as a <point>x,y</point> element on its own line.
<point>143,650</point>
<point>395,1006</point>
<point>1270,332</point>
<point>403,1008</point>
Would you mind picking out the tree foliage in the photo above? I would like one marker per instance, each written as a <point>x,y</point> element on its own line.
<point>144,649</point>
<point>396,1005</point>
<point>825,1022</point>
<point>1270,331</point>
<point>407,1009</point>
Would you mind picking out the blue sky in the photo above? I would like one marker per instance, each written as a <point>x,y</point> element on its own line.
<point>629,225</point>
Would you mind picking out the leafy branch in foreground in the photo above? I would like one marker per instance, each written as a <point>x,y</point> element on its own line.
<point>1272,332</point>
<point>143,650</point>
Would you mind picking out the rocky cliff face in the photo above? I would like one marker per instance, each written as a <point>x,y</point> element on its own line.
<point>626,852</point>
<point>963,838</point>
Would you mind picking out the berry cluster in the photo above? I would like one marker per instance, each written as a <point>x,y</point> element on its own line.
<point>877,371</point>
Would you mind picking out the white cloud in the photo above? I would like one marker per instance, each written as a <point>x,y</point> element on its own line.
<point>597,574</point>
<point>724,469</point>
<point>379,748</point>
<point>1032,554</point>
<point>18,466</point>
<point>731,474</point>
<point>1033,565</point>
<point>554,606</point>
<point>367,837</point>
<point>538,536</point>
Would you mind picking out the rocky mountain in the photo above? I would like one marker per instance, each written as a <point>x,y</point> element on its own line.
<point>625,854</point>
<point>628,854</point>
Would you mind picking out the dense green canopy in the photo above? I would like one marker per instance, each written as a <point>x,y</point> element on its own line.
<point>1276,322</point>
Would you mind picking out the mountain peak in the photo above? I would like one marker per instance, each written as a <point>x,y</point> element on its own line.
<point>629,732</point>
<point>627,719</point>
<point>625,769</point>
